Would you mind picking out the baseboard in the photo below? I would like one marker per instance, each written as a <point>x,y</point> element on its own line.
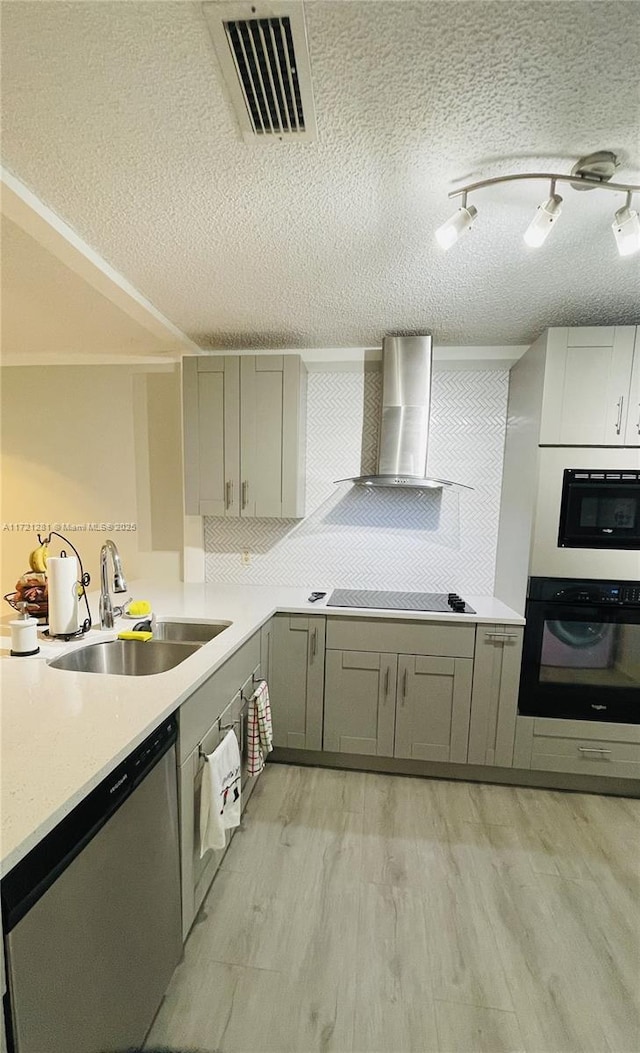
<point>465,772</point>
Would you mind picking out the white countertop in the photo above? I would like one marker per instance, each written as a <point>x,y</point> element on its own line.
<point>62,732</point>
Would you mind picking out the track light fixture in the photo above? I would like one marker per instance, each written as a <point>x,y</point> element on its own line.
<point>626,228</point>
<point>589,173</point>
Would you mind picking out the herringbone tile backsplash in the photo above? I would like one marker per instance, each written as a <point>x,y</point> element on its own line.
<point>359,538</point>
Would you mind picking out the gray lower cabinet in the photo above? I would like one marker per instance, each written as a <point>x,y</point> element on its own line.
<point>296,687</point>
<point>265,650</point>
<point>198,870</point>
<point>218,704</point>
<point>578,747</point>
<point>494,699</point>
<point>432,711</point>
<point>360,702</point>
<point>381,702</point>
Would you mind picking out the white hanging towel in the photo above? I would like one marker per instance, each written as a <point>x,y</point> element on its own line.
<point>259,728</point>
<point>220,805</point>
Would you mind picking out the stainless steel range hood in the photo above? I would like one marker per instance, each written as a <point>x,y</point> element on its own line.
<point>404,424</point>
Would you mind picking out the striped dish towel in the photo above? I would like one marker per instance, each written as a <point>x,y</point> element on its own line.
<point>260,731</point>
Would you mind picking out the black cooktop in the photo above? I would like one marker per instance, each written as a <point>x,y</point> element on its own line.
<point>441,602</point>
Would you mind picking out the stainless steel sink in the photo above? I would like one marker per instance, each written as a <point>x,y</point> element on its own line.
<point>188,632</point>
<point>126,657</point>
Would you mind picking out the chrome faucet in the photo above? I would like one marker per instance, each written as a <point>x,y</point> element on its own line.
<point>107,611</point>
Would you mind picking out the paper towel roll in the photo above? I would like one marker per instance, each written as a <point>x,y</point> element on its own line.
<point>62,574</point>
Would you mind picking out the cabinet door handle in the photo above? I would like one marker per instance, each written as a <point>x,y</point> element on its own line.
<point>619,404</point>
<point>386,682</point>
<point>501,636</point>
<point>245,494</point>
<point>314,642</point>
<point>229,493</point>
<point>638,422</point>
<point>591,749</point>
<point>404,686</point>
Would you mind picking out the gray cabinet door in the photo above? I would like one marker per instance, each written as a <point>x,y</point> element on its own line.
<point>432,710</point>
<point>632,436</point>
<point>588,387</point>
<point>211,416</point>
<point>359,707</point>
<point>494,699</point>
<point>266,632</point>
<point>296,688</point>
<point>272,436</point>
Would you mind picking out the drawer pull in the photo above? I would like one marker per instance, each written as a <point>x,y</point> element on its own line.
<point>501,636</point>
<point>592,749</point>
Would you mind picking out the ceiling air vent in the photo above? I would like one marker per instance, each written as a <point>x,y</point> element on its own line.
<point>263,53</point>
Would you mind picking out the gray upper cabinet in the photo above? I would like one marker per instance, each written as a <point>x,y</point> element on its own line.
<point>432,712</point>
<point>244,435</point>
<point>591,387</point>
<point>494,700</point>
<point>360,702</point>
<point>296,686</point>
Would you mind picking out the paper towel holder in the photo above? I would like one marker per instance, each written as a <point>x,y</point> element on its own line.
<point>83,582</point>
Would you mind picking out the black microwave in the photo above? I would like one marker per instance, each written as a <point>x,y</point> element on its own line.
<point>600,509</point>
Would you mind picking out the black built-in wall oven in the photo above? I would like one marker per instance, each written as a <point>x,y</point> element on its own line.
<point>581,657</point>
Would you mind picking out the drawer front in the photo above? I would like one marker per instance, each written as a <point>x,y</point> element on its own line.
<point>205,705</point>
<point>586,756</point>
<point>549,727</point>
<point>401,637</point>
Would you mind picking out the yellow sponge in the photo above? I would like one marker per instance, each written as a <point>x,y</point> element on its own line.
<point>138,608</point>
<point>131,634</point>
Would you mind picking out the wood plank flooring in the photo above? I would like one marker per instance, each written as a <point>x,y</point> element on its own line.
<point>360,913</point>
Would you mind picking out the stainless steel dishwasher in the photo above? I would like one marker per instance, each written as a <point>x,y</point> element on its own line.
<point>92,914</point>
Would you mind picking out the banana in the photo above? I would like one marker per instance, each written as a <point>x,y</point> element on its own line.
<point>38,559</point>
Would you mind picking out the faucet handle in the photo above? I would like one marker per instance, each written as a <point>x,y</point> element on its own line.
<point>119,610</point>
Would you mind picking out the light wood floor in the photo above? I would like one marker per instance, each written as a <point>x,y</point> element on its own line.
<point>363,913</point>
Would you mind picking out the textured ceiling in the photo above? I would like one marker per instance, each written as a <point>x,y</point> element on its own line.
<point>114,114</point>
<point>49,309</point>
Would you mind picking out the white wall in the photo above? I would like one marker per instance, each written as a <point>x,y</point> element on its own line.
<point>363,538</point>
<point>92,444</point>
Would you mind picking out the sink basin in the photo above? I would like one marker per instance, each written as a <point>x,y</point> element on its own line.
<point>188,632</point>
<point>126,657</point>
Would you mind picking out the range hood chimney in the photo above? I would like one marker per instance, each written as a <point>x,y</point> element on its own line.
<point>404,424</point>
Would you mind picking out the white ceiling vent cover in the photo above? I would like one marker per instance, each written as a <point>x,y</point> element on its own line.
<point>263,53</point>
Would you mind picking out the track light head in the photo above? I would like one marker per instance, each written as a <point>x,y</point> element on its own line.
<point>626,229</point>
<point>546,215</point>
<point>457,225</point>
